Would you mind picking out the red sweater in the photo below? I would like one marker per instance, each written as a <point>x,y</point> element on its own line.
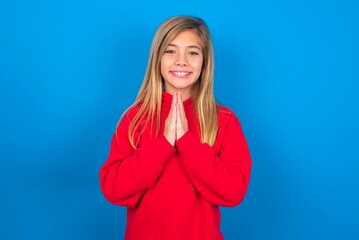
<point>173,193</point>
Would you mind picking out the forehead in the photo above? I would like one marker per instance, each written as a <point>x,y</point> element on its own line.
<point>187,38</point>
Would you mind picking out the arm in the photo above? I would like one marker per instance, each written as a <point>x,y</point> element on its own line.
<point>127,173</point>
<point>222,179</point>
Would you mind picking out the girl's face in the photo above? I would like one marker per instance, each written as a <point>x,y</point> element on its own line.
<point>181,63</point>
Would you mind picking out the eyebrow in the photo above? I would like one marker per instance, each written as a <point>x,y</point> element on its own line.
<point>191,46</point>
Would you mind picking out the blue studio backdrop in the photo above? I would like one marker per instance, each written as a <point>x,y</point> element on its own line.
<point>289,69</point>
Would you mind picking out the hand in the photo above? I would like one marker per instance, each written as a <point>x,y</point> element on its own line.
<point>182,124</point>
<point>170,124</point>
<point>176,124</point>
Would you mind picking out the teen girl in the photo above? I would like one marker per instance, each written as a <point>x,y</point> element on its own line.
<point>176,155</point>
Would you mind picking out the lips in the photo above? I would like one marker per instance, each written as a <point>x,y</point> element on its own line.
<point>180,74</point>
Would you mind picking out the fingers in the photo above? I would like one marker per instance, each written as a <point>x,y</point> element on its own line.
<point>170,124</point>
<point>182,125</point>
<point>178,107</point>
<point>172,113</point>
<point>176,123</point>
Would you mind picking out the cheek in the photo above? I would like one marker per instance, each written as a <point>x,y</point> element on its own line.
<point>163,66</point>
<point>199,66</point>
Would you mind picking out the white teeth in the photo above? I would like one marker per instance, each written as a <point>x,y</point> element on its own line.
<point>180,73</point>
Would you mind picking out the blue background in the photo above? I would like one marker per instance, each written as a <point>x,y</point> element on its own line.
<point>289,69</point>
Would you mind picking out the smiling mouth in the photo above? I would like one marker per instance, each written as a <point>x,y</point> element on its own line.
<point>180,74</point>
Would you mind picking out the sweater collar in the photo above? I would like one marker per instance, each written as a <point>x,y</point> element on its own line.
<point>167,99</point>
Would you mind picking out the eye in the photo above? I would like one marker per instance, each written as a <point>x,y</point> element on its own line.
<point>193,53</point>
<point>169,51</point>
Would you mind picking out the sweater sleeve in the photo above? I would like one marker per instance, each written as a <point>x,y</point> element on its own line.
<point>128,172</point>
<point>222,179</point>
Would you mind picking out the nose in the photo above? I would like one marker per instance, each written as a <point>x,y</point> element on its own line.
<point>181,60</point>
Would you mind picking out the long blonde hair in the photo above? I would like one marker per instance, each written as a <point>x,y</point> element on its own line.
<point>149,97</point>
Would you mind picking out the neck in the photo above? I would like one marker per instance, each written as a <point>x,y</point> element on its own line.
<point>185,95</point>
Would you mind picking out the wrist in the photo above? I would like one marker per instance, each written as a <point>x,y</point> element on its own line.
<point>180,134</point>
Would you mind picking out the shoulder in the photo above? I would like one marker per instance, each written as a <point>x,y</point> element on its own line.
<point>225,112</point>
<point>226,117</point>
<point>128,116</point>
<point>131,112</point>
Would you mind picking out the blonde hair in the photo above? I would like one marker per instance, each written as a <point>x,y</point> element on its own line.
<point>149,97</point>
